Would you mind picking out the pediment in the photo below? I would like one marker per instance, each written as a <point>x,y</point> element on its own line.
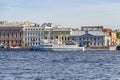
<point>87,34</point>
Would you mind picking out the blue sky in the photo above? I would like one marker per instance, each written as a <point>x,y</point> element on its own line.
<point>68,13</point>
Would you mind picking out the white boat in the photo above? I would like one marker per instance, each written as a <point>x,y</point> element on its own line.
<point>57,47</point>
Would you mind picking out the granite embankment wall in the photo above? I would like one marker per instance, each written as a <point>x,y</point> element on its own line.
<point>16,49</point>
<point>86,49</point>
<point>112,48</point>
<point>101,48</point>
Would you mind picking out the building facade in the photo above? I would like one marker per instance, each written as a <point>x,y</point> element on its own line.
<point>11,36</point>
<point>113,36</point>
<point>92,28</point>
<point>118,37</point>
<point>32,36</point>
<point>90,38</point>
<point>60,34</point>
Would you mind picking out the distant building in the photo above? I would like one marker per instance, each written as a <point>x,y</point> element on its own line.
<point>113,36</point>
<point>11,36</point>
<point>57,33</point>
<point>15,24</point>
<point>118,38</point>
<point>91,28</point>
<point>90,38</point>
<point>32,36</point>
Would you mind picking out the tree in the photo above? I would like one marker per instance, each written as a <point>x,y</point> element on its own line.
<point>118,35</point>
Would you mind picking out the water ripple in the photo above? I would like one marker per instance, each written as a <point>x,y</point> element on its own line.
<point>88,65</point>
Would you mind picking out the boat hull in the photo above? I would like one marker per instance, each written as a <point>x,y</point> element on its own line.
<point>67,49</point>
<point>57,48</point>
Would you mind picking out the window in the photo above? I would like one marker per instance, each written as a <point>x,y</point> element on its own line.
<point>102,43</point>
<point>8,34</point>
<point>90,43</point>
<point>73,39</point>
<point>51,38</point>
<point>94,43</point>
<point>65,38</point>
<point>68,38</point>
<point>56,37</point>
<point>20,34</point>
<point>80,39</point>
<point>83,38</point>
<point>16,34</point>
<point>20,41</point>
<point>94,39</point>
<point>33,33</point>
<point>62,38</point>
<point>101,39</point>
<point>4,34</point>
<point>87,38</point>
<point>98,43</point>
<point>98,38</point>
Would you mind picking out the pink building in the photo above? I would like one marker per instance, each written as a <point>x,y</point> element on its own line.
<point>113,36</point>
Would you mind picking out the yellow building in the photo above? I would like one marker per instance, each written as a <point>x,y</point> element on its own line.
<point>60,34</point>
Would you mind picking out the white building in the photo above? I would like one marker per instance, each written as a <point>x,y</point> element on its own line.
<point>32,36</point>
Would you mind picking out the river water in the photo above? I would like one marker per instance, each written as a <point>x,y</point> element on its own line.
<point>88,65</point>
